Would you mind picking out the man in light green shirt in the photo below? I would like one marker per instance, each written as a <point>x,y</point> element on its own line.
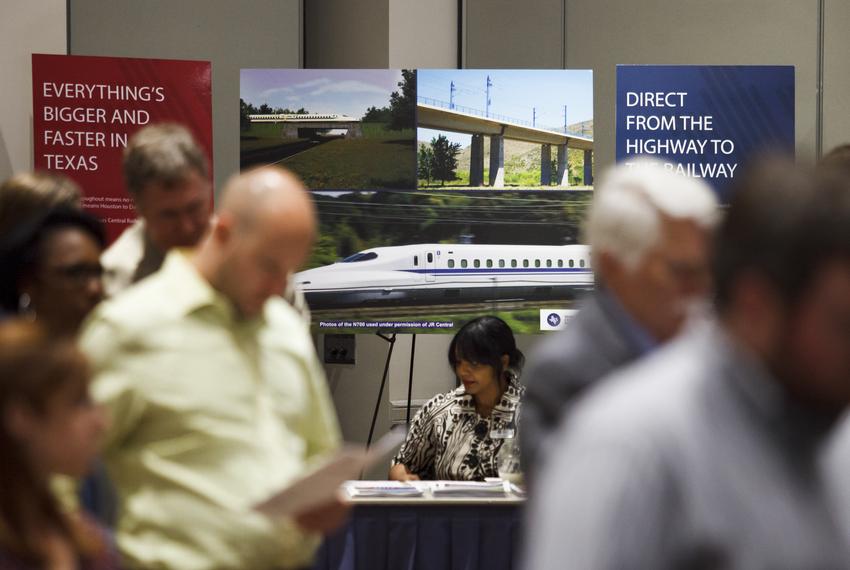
<point>216,395</point>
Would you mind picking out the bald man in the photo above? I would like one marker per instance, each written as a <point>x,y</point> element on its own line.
<point>216,395</point>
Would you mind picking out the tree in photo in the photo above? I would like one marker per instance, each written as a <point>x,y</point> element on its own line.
<point>376,115</point>
<point>403,105</point>
<point>443,159</point>
<point>245,109</point>
<point>424,163</point>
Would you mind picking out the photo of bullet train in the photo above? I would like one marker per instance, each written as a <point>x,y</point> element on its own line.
<point>426,274</point>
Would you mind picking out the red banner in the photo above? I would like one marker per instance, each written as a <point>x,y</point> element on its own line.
<point>85,109</point>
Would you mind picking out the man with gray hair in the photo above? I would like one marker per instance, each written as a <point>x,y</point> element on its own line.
<point>167,174</point>
<point>649,233</point>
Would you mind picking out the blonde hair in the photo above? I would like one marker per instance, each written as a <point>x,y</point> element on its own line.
<point>165,153</point>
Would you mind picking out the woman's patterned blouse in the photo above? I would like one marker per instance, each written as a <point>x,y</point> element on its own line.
<point>449,440</point>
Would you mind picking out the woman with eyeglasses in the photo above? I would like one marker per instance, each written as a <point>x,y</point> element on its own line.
<point>459,435</point>
<point>51,270</point>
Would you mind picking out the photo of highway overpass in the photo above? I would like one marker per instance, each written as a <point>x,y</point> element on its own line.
<point>337,129</point>
<point>505,128</point>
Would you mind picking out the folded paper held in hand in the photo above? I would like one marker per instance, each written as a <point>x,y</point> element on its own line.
<point>321,485</point>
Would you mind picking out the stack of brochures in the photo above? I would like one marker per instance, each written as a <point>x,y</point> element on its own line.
<point>468,488</point>
<point>382,489</point>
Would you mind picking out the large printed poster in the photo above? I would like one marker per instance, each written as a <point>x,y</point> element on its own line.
<point>85,109</point>
<point>704,121</point>
<point>475,211</point>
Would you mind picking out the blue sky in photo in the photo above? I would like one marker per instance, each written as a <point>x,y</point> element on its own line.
<point>514,93</point>
<point>345,91</point>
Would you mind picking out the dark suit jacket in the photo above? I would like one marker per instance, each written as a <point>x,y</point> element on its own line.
<point>565,364</point>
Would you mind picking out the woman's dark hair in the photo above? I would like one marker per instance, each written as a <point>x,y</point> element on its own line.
<point>484,340</point>
<point>22,251</point>
<point>32,193</point>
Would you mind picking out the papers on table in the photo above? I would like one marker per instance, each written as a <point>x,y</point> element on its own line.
<point>383,489</point>
<point>490,488</point>
<point>469,488</point>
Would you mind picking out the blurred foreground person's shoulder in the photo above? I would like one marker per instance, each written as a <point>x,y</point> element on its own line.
<point>715,452</point>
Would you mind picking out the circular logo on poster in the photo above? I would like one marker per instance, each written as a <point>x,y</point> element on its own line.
<point>554,319</point>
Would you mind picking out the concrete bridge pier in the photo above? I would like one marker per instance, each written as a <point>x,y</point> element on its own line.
<point>563,174</point>
<point>354,131</point>
<point>290,132</point>
<point>545,165</point>
<point>476,161</point>
<point>588,167</point>
<point>497,161</point>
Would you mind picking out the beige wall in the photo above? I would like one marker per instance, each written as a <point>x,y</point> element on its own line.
<point>422,34</point>
<point>380,34</point>
<point>26,27</point>
<point>511,34</point>
<point>836,84</point>
<point>341,34</point>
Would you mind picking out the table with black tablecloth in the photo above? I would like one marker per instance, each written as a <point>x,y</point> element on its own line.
<point>426,533</point>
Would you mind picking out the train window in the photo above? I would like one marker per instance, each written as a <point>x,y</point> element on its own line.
<point>548,263</point>
<point>560,263</point>
<point>501,263</point>
<point>451,263</point>
<point>581,263</point>
<point>525,263</point>
<point>489,263</point>
<point>415,260</point>
<point>430,258</point>
<point>536,263</point>
<point>362,256</point>
<point>476,263</point>
<point>463,263</point>
<point>572,263</point>
<point>513,263</point>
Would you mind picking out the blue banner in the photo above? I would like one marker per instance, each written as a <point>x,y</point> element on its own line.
<point>704,121</point>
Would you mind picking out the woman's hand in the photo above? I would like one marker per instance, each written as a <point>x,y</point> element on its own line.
<point>399,472</point>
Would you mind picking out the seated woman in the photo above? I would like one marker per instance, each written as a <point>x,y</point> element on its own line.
<point>452,436</point>
<point>48,425</point>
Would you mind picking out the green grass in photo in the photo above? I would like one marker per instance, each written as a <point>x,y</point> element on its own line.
<point>381,158</point>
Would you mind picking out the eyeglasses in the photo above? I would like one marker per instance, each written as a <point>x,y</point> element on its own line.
<point>78,273</point>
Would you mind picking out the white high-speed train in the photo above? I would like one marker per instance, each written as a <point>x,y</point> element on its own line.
<point>449,273</point>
